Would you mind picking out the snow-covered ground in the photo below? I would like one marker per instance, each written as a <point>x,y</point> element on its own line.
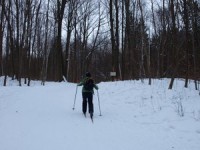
<point>135,116</point>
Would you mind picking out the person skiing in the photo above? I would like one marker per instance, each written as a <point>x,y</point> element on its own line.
<point>87,93</point>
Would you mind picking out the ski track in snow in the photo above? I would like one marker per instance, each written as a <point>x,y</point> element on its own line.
<point>135,116</point>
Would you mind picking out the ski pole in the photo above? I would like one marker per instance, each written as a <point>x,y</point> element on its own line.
<point>99,103</point>
<point>75,98</point>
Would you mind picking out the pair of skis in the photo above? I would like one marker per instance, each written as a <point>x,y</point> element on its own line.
<point>91,117</point>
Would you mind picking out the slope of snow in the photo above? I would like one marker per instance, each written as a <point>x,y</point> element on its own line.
<point>134,116</point>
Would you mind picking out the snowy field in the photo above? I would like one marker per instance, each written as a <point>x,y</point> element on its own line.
<point>135,116</point>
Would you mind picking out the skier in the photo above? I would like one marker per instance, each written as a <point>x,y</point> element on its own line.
<point>87,93</point>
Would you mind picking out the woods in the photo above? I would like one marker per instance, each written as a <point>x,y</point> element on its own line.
<point>50,39</point>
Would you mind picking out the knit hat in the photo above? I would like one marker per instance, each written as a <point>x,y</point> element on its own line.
<point>88,74</point>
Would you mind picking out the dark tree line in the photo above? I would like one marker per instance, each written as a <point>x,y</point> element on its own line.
<point>52,40</point>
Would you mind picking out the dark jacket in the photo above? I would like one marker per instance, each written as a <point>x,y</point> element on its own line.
<point>83,82</point>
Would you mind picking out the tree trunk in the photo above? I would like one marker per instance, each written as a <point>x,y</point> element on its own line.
<point>59,54</point>
<point>69,31</point>
<point>112,35</point>
<point>128,47</point>
<point>45,56</point>
<point>174,39</point>
<point>2,7</point>
<point>123,43</point>
<point>117,39</point>
<point>186,23</point>
<point>142,70</point>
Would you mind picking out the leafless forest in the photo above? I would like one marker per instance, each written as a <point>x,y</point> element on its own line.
<point>50,40</point>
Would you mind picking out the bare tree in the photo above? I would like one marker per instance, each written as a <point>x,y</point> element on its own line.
<point>122,41</point>
<point>59,53</point>
<point>174,39</point>
<point>186,24</point>
<point>95,40</point>
<point>46,47</point>
<point>71,13</point>
<point>128,46</point>
<point>2,24</point>
<point>112,31</point>
<point>195,40</point>
<point>114,27</point>
<point>142,70</point>
<point>10,38</point>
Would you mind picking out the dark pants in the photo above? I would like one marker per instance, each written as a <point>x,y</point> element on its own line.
<point>87,98</point>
